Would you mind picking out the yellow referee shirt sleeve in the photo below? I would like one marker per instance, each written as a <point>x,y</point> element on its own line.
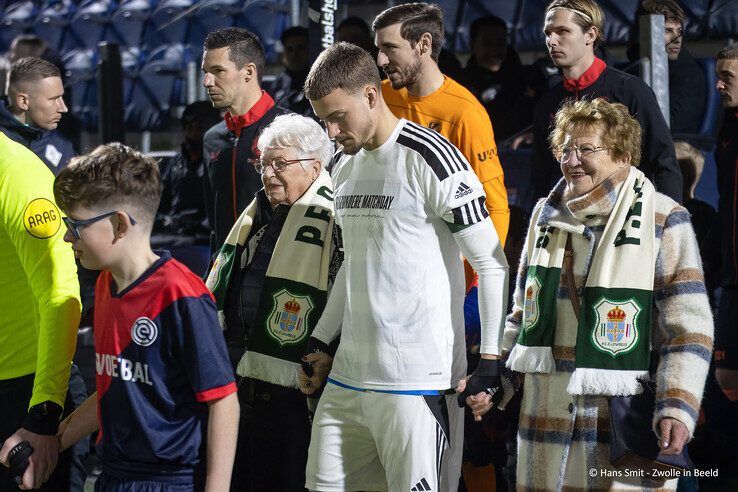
<point>46,303</point>
<point>476,140</point>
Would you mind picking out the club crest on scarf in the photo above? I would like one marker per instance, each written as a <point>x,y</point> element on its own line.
<point>531,311</point>
<point>287,322</point>
<point>616,330</point>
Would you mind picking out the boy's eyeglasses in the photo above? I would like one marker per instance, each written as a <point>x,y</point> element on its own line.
<point>583,151</point>
<point>74,225</point>
<point>279,164</point>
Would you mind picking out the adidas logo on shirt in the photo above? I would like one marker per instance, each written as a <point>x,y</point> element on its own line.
<point>422,485</point>
<point>462,190</point>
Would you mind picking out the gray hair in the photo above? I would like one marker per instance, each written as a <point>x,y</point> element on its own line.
<point>300,133</point>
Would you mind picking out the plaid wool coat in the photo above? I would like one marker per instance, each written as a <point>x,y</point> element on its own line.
<point>563,441</point>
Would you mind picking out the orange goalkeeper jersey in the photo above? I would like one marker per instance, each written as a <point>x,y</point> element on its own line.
<point>456,114</point>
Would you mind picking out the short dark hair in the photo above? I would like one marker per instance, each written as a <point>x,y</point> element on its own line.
<point>24,45</point>
<point>354,21</point>
<point>30,70</point>
<point>341,66</point>
<point>668,8</point>
<point>728,53</point>
<point>200,111</point>
<point>486,21</point>
<point>243,46</point>
<point>416,19</point>
<point>113,174</point>
<point>293,32</point>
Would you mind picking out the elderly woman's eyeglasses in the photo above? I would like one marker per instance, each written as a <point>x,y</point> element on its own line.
<point>278,165</point>
<point>565,153</point>
<point>75,225</point>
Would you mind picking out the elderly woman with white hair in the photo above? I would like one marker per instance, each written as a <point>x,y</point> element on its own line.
<point>270,281</point>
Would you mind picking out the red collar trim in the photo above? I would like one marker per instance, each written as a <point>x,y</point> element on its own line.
<point>257,111</point>
<point>587,78</point>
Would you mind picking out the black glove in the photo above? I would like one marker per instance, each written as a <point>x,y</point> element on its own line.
<point>313,345</point>
<point>18,459</point>
<point>485,379</point>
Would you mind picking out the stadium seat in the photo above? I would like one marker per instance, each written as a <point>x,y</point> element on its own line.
<point>91,23</point>
<point>707,187</point>
<point>168,23</point>
<point>158,88</point>
<point>212,15</point>
<point>17,19</point>
<point>52,21</point>
<point>470,11</point>
<point>722,19</point>
<point>80,67</point>
<point>713,106</point>
<point>131,19</point>
<point>267,19</point>
<point>620,16</point>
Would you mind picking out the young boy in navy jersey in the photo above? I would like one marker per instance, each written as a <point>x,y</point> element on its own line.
<point>166,397</point>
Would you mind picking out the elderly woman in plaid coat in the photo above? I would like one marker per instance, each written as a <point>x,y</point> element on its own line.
<point>635,299</point>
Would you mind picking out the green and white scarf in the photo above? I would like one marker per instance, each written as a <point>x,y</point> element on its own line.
<point>614,327</point>
<point>295,287</point>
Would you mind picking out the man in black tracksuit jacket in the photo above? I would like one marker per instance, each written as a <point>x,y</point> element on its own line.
<point>233,61</point>
<point>571,47</point>
<point>229,153</point>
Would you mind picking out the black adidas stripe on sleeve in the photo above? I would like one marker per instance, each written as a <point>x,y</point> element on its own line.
<point>442,157</point>
<point>470,213</point>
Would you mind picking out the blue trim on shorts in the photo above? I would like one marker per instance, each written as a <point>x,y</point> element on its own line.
<point>391,392</point>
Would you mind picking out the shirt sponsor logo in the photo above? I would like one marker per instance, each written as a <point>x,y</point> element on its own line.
<point>462,190</point>
<point>144,331</point>
<point>41,218</point>
<point>120,368</point>
<point>487,154</point>
<point>383,202</point>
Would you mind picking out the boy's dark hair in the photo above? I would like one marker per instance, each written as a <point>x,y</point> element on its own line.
<point>486,21</point>
<point>341,66</point>
<point>416,19</point>
<point>112,174</point>
<point>29,70</point>
<point>354,21</point>
<point>243,46</point>
<point>728,53</point>
<point>293,32</point>
<point>668,8</point>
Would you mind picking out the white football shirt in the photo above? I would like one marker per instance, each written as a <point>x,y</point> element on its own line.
<point>403,323</point>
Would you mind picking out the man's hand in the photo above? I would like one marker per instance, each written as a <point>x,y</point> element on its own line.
<point>673,435</point>
<point>41,463</point>
<point>321,364</point>
<point>482,390</point>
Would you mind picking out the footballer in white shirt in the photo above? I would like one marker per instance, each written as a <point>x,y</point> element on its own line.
<point>409,206</point>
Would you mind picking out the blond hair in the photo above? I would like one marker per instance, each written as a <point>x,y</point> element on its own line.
<point>619,131</point>
<point>587,14</point>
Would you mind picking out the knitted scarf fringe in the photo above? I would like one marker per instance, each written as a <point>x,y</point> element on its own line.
<point>608,382</point>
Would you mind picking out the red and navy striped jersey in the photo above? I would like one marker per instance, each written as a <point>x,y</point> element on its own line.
<point>160,356</point>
